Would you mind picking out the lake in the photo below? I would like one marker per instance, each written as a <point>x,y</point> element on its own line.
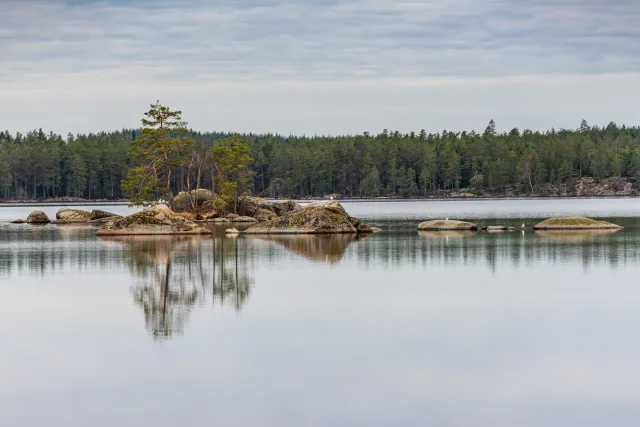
<point>399,328</point>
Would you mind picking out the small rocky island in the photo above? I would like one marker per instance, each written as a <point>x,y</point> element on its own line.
<point>447,225</point>
<point>158,219</point>
<point>575,223</point>
<point>314,218</point>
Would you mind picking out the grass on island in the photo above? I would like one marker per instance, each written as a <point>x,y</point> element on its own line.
<point>574,223</point>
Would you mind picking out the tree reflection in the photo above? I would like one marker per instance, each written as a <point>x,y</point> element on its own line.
<point>175,274</point>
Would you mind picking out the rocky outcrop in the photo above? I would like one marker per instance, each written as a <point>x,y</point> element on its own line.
<point>447,224</point>
<point>190,200</point>
<point>68,215</point>
<point>589,187</point>
<point>158,219</point>
<point>282,207</point>
<point>575,223</point>
<point>315,218</point>
<point>38,217</point>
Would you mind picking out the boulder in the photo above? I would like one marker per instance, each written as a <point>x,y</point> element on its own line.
<point>446,224</point>
<point>186,201</point>
<point>232,216</point>
<point>18,221</point>
<point>231,231</point>
<point>251,206</point>
<point>282,207</point>
<point>575,223</point>
<point>314,218</point>
<point>67,215</point>
<point>158,219</point>
<point>492,228</point>
<point>38,217</point>
<point>97,215</point>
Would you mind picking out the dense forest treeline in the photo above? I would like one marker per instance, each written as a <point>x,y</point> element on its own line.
<point>39,165</point>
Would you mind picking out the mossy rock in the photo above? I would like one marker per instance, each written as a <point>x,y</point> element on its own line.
<point>253,206</point>
<point>575,223</point>
<point>315,218</point>
<point>158,219</point>
<point>38,217</point>
<point>447,225</point>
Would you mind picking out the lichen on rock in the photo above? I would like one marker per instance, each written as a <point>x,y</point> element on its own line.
<point>38,217</point>
<point>68,215</point>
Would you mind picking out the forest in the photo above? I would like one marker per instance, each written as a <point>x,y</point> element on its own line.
<point>40,165</point>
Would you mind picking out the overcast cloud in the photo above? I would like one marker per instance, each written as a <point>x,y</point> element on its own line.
<point>319,66</point>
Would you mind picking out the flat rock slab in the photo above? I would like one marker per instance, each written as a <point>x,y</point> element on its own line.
<point>575,223</point>
<point>494,228</point>
<point>67,215</point>
<point>447,225</point>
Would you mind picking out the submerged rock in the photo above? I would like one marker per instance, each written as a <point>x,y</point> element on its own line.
<point>68,215</point>
<point>447,224</point>
<point>575,223</point>
<point>315,218</point>
<point>38,217</point>
<point>493,228</point>
<point>158,219</point>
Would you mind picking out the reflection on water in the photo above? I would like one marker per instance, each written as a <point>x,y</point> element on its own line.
<point>322,248</point>
<point>175,274</point>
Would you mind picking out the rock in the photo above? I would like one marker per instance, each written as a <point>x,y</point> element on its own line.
<point>447,224</point>
<point>188,201</point>
<point>220,220</point>
<point>575,223</point>
<point>282,207</point>
<point>105,220</point>
<point>232,216</point>
<point>244,219</point>
<point>492,228</point>
<point>263,215</point>
<point>376,229</point>
<point>38,217</point>
<point>158,219</point>
<point>252,206</point>
<point>97,214</point>
<point>67,216</point>
<point>18,221</point>
<point>231,231</point>
<point>315,218</point>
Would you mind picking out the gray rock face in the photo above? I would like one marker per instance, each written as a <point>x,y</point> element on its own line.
<point>252,206</point>
<point>315,218</point>
<point>158,219</point>
<point>72,215</point>
<point>38,217</point>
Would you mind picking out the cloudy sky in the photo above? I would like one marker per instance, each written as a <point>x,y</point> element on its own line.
<point>319,66</point>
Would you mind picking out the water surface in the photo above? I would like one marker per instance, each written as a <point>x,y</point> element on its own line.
<point>398,328</point>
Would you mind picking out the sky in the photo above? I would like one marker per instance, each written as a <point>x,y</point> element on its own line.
<point>319,66</point>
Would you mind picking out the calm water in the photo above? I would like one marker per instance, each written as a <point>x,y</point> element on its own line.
<point>394,329</point>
